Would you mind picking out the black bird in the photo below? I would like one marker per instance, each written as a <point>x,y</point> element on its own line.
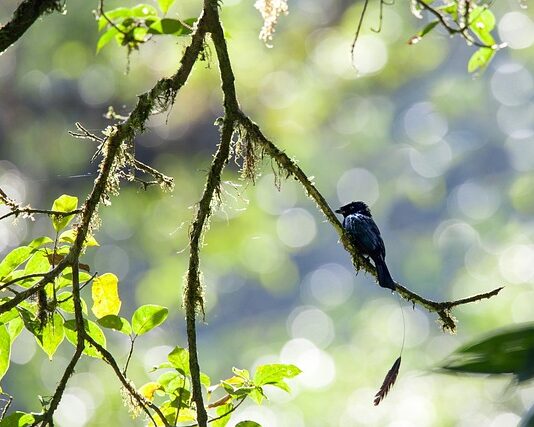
<point>365,235</point>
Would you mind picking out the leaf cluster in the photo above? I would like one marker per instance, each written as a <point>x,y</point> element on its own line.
<point>134,26</point>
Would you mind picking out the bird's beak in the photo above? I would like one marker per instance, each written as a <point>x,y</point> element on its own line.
<point>338,211</point>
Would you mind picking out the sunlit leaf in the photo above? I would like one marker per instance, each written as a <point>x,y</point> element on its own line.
<point>63,203</point>
<point>205,380</point>
<point>113,15</point>
<point>169,26</point>
<point>13,259</point>
<point>179,358</point>
<point>272,374</point>
<point>144,10</point>
<point>427,29</point>
<point>105,292</point>
<point>165,5</point>
<point>480,59</point>
<point>52,335</point>
<point>147,317</point>
<point>40,241</point>
<point>224,412</point>
<point>187,414</point>
<point>5,350</point>
<point>92,330</point>
<point>18,419</point>
<point>9,315</point>
<point>38,263</point>
<point>482,18</point>
<point>248,424</point>
<point>14,327</point>
<point>148,390</point>
<point>171,381</point>
<point>69,236</point>
<point>115,322</point>
<point>66,302</point>
<point>106,38</point>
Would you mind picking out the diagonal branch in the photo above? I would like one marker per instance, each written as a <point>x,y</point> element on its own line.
<point>24,17</point>
<point>127,384</point>
<point>442,309</point>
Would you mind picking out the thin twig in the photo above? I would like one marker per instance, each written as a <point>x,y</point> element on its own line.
<point>143,403</point>
<point>29,211</point>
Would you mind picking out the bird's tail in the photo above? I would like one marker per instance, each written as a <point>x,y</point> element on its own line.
<point>384,278</point>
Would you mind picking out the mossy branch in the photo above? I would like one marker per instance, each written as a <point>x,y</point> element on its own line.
<point>24,17</point>
<point>442,309</point>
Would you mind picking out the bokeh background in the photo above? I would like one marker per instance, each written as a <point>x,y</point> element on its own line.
<point>444,159</point>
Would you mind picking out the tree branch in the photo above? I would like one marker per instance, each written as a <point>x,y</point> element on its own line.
<point>27,211</point>
<point>80,345</point>
<point>442,309</point>
<point>127,384</point>
<point>23,18</point>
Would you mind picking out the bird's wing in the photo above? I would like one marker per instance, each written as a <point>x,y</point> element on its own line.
<point>366,233</point>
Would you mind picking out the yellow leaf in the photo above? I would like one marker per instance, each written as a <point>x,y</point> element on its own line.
<point>149,389</point>
<point>187,414</point>
<point>69,236</point>
<point>106,295</point>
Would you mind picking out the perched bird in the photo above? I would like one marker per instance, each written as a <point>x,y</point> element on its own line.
<point>365,235</point>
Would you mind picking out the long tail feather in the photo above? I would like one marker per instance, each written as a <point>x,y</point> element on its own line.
<point>390,379</point>
<point>384,278</point>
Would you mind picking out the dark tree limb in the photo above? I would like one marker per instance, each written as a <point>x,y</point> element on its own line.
<point>80,345</point>
<point>442,309</point>
<point>23,18</point>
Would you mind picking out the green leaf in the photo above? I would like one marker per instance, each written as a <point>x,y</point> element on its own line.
<point>480,59</point>
<point>52,335</point>
<point>38,263</point>
<point>482,18</point>
<point>115,322</point>
<point>165,5</point>
<point>272,374</point>
<point>169,26</point>
<point>113,15</point>
<point>509,352</point>
<point>144,10</point>
<point>248,424</point>
<point>205,380</point>
<point>417,38</point>
<point>15,328</point>
<point>13,259</point>
<point>106,38</point>
<point>69,236</point>
<point>18,419</point>
<point>257,395</point>
<point>243,373</point>
<point>5,350</point>
<point>171,381</point>
<point>40,241</point>
<point>63,203</point>
<point>179,358</point>
<point>66,278</point>
<point>92,330</point>
<point>222,410</point>
<point>9,315</point>
<point>147,317</point>
<point>66,303</point>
